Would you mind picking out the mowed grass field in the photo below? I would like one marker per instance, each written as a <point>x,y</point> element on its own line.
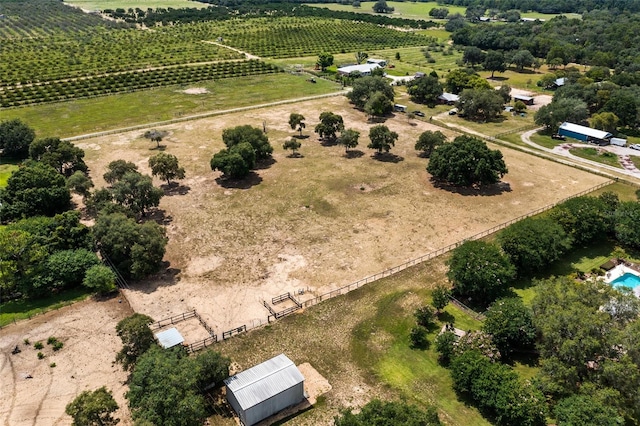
<point>112,112</point>
<point>142,4</point>
<point>407,10</point>
<point>5,172</point>
<point>420,10</point>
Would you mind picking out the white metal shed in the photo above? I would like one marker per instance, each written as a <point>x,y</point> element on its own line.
<point>265,389</point>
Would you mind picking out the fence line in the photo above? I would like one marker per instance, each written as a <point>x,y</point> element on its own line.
<point>120,281</point>
<point>388,272</point>
<point>194,347</point>
<point>462,306</point>
<point>204,324</point>
<point>281,298</point>
<point>173,320</point>
<point>233,331</point>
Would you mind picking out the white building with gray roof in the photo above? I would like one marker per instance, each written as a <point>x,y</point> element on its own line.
<point>265,389</point>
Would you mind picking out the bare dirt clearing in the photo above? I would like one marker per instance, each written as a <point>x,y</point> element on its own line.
<point>306,222</point>
<point>85,362</point>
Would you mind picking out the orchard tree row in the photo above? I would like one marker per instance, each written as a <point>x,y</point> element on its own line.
<point>128,82</point>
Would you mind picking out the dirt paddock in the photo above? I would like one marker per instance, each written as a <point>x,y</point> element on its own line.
<point>34,392</point>
<point>317,222</point>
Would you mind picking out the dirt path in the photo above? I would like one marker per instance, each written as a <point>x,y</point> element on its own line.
<point>247,54</point>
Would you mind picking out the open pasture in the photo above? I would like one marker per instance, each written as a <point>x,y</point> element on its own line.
<point>317,222</point>
<point>408,10</point>
<point>92,5</point>
<point>360,343</point>
<point>82,116</point>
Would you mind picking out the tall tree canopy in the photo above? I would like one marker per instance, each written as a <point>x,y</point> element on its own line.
<point>251,135</point>
<point>33,190</point>
<point>480,271</point>
<point>15,138</point>
<point>382,139</point>
<point>329,126</point>
<point>93,408</point>
<point>467,161</point>
<point>378,413</point>
<point>63,156</point>
<point>166,167</point>
<point>136,338</point>
<point>135,249</point>
<point>365,87</point>
<point>425,90</point>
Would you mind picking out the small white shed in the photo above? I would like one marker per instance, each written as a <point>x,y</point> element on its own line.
<point>265,389</point>
<point>169,338</point>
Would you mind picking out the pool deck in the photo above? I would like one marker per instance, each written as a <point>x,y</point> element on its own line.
<point>619,271</point>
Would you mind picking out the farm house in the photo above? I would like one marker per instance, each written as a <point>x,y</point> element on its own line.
<point>364,69</point>
<point>265,389</point>
<point>583,133</point>
<point>448,98</point>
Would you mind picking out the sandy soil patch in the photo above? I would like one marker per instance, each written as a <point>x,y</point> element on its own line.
<point>196,91</point>
<point>305,223</point>
<point>86,362</point>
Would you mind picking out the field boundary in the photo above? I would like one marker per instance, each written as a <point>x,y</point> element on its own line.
<point>274,315</point>
<point>201,115</point>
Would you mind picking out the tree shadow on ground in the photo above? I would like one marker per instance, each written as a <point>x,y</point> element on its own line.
<point>387,157</point>
<point>446,317</point>
<point>265,164</point>
<point>158,148</point>
<point>484,191</point>
<point>497,78</point>
<point>159,216</point>
<point>353,153</point>
<point>530,358</point>
<point>252,179</point>
<point>328,142</point>
<point>175,188</point>
<point>300,136</point>
<point>166,277</point>
<point>378,119</point>
<point>295,155</point>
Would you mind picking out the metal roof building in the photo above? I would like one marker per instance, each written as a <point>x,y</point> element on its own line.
<point>364,69</point>
<point>449,98</point>
<point>265,389</point>
<point>169,338</point>
<point>582,133</point>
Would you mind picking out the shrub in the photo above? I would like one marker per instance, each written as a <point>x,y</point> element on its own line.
<point>38,345</point>
<point>40,355</point>
<point>419,337</point>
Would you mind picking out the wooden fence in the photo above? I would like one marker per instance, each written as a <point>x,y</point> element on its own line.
<point>173,320</point>
<point>233,331</point>
<point>281,298</point>
<point>194,347</point>
<point>466,309</point>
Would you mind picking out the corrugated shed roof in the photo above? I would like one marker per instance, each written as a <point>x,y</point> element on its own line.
<point>169,338</point>
<point>359,68</point>
<point>523,97</point>
<point>264,381</point>
<point>449,97</point>
<point>583,130</point>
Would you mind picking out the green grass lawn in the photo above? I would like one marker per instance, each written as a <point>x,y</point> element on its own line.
<point>142,4</point>
<point>636,160</point>
<point>545,140</point>
<point>593,154</point>
<point>111,112</point>
<point>406,10</point>
<point>25,309</point>
<point>5,172</point>
<point>525,79</point>
<point>507,124</point>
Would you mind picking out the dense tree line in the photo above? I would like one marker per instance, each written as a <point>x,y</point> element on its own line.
<point>548,6</point>
<point>46,249</point>
<point>601,38</point>
<point>229,9</point>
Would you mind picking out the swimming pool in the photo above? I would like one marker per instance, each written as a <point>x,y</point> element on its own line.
<point>627,280</point>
